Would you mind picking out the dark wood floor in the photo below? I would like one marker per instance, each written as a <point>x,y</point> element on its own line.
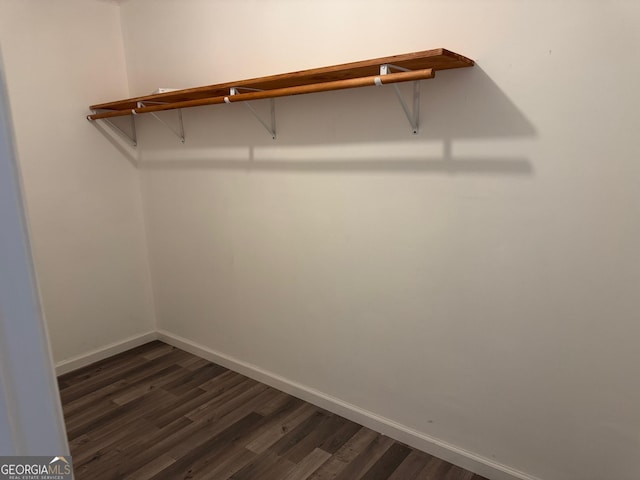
<point>159,412</point>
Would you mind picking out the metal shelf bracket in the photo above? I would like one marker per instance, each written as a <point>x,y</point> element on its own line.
<point>413,114</point>
<point>178,132</point>
<point>271,126</point>
<point>132,137</point>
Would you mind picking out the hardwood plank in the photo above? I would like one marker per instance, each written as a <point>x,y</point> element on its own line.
<point>158,412</point>
<point>193,435</point>
<point>275,404</point>
<point>216,424</point>
<point>329,424</point>
<point>435,469</point>
<point>229,402</point>
<point>203,401</point>
<point>196,378</point>
<point>218,458</point>
<point>228,466</point>
<point>388,463</point>
<point>295,436</point>
<point>193,363</point>
<point>411,467</point>
<point>119,396</point>
<point>197,455</point>
<point>115,413</point>
<point>335,441</point>
<point>274,420</point>
<point>109,461</point>
<point>130,375</point>
<point>108,439</point>
<point>140,452</point>
<point>467,475</point>
<point>107,365</point>
<point>363,462</point>
<point>160,350</point>
<point>263,468</point>
<point>308,465</point>
<point>176,443</point>
<point>144,387</point>
<point>345,455</point>
<point>223,382</point>
<point>110,365</point>
<point>458,473</point>
<point>278,429</point>
<point>153,468</point>
<point>275,470</point>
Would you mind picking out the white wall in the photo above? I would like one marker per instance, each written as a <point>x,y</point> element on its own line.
<point>477,283</point>
<point>82,195</point>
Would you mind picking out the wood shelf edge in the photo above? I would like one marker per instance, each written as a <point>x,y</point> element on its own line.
<point>441,57</point>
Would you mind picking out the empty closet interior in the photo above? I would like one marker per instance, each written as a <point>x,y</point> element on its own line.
<point>419,217</point>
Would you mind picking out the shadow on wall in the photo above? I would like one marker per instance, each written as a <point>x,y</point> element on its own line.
<point>352,130</point>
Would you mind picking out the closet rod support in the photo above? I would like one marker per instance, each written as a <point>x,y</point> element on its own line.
<point>132,138</point>
<point>177,132</point>
<point>269,127</point>
<point>413,114</point>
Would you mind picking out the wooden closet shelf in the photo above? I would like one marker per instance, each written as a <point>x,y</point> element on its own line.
<point>412,66</point>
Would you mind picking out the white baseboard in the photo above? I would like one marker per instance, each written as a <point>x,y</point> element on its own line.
<point>101,353</point>
<point>450,453</point>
